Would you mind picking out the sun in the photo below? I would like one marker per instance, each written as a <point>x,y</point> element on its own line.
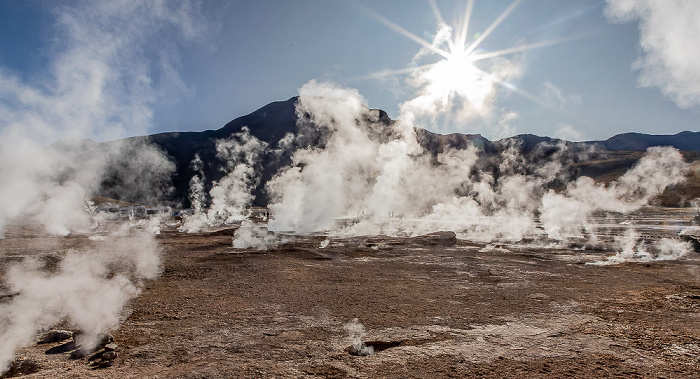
<point>457,76</point>
<point>460,76</point>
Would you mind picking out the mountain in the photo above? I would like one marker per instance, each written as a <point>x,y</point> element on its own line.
<point>684,141</point>
<point>273,121</point>
<point>269,124</point>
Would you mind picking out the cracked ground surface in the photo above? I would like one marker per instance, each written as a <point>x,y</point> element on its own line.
<point>467,310</point>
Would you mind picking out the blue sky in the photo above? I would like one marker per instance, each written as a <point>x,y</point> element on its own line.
<point>103,70</point>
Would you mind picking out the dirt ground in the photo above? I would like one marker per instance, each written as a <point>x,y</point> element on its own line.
<point>429,310</point>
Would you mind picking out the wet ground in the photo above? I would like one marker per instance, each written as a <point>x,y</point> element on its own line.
<point>429,308</point>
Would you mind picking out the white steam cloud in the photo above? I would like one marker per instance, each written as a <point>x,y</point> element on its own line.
<point>254,236</point>
<point>102,81</point>
<point>89,291</point>
<point>356,335</point>
<point>565,214</point>
<point>364,175</point>
<point>634,249</point>
<point>99,81</point>
<point>373,178</point>
<point>670,38</point>
<point>97,84</point>
<point>233,194</point>
<point>568,132</point>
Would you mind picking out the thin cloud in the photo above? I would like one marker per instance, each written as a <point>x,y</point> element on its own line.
<point>568,132</point>
<point>553,97</point>
<point>670,39</point>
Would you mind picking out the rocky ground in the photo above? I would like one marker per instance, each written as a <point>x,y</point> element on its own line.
<point>430,307</point>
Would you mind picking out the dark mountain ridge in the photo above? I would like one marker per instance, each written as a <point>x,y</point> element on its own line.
<point>274,121</point>
<point>684,141</point>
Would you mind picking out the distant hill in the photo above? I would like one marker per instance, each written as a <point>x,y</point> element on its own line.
<point>275,120</point>
<point>685,141</point>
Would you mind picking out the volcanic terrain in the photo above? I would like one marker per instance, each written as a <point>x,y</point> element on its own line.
<point>429,306</point>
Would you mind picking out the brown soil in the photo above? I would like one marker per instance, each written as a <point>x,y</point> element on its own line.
<point>429,310</point>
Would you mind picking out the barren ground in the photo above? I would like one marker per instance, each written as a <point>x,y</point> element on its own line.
<point>468,310</point>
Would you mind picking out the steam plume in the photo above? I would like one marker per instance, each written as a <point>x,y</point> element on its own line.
<point>356,332</point>
<point>89,290</point>
<point>378,177</point>
<point>98,84</point>
<point>565,214</point>
<point>230,196</point>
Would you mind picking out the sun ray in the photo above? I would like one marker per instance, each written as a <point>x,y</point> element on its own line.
<point>386,73</point>
<point>519,91</point>
<point>407,70</point>
<point>566,18</point>
<point>492,27</point>
<point>464,25</point>
<point>402,71</point>
<point>403,31</point>
<point>441,20</point>
<point>517,49</point>
<point>509,86</point>
<point>436,11</point>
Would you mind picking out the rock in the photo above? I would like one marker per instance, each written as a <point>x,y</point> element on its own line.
<point>446,239</point>
<point>109,355</point>
<point>360,349</point>
<point>56,336</point>
<point>77,354</point>
<point>21,368</point>
<point>102,339</point>
<point>694,241</point>
<point>111,346</point>
<point>105,339</point>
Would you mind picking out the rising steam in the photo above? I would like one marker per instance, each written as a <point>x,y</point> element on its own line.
<point>356,335</point>
<point>89,290</point>
<point>368,176</point>
<point>362,174</point>
<point>668,34</point>
<point>98,83</point>
<point>230,196</point>
<point>564,214</point>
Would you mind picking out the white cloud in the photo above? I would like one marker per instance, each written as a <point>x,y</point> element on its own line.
<point>568,132</point>
<point>554,97</point>
<point>670,39</point>
<point>504,128</point>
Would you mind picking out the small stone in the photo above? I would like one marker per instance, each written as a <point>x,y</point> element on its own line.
<point>56,336</point>
<point>105,364</point>
<point>77,354</point>
<point>78,333</point>
<point>360,349</point>
<point>446,238</point>
<point>106,339</point>
<point>109,355</point>
<point>694,242</point>
<point>111,346</point>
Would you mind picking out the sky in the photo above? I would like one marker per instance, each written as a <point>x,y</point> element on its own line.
<point>579,70</point>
